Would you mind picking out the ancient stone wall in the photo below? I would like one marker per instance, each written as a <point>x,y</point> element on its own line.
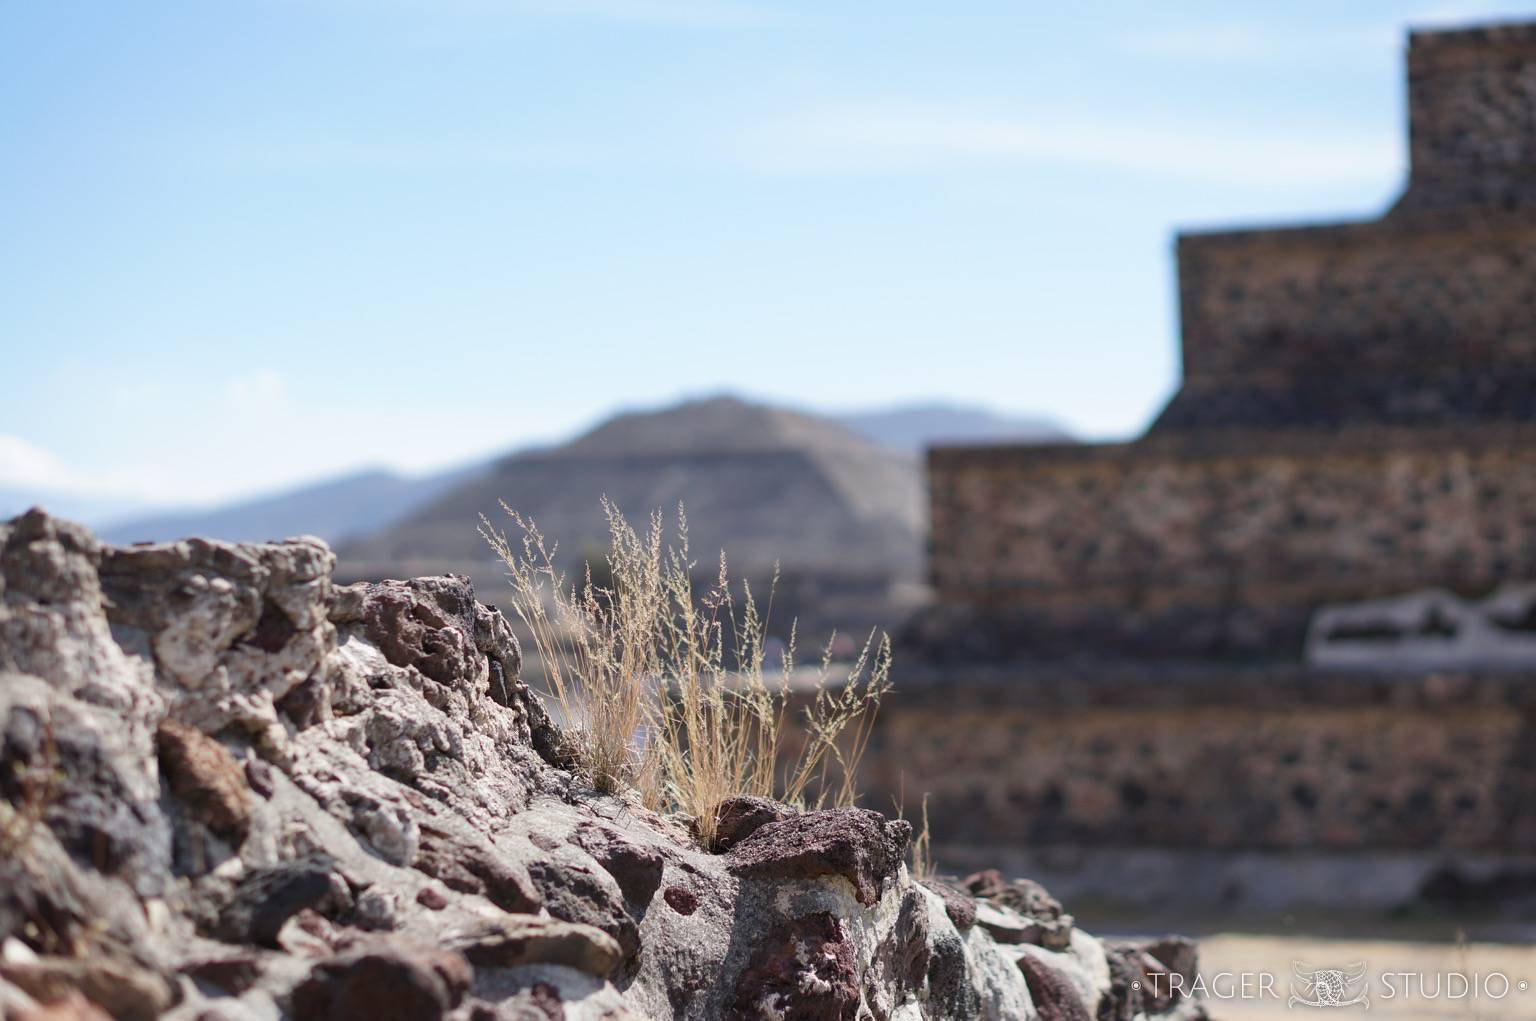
<point>1408,320</point>
<point>1208,765</point>
<point>1224,545</point>
<point>1472,131</point>
<point>1424,316</point>
<point>1357,419</point>
<point>1115,655</point>
<point>1342,763</point>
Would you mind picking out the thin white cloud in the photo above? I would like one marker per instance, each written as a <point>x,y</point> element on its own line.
<point>261,390</point>
<point>25,465</point>
<point>1248,42</point>
<point>1460,15</point>
<point>316,153</point>
<point>674,13</point>
<point>882,137</point>
<point>28,467</point>
<point>917,138</point>
<point>258,396</point>
<point>698,13</point>
<point>1252,40</point>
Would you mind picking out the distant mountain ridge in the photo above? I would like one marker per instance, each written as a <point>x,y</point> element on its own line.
<point>88,507</point>
<point>914,427</point>
<point>334,510</point>
<point>715,424</point>
<point>352,508</point>
<point>764,484</point>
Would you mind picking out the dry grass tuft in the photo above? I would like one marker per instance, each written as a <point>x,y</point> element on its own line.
<point>922,849</point>
<point>922,866</point>
<point>666,690</point>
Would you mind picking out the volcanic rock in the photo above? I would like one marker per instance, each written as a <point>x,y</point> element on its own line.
<point>230,788</point>
<point>863,847</point>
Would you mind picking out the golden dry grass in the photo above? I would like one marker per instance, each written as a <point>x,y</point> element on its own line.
<point>667,690</point>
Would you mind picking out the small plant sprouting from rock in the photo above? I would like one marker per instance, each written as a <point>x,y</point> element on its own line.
<point>667,689</point>
<point>921,849</point>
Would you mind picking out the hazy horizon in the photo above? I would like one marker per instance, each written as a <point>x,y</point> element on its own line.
<point>106,512</point>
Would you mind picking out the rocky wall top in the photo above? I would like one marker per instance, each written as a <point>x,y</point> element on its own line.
<point>230,789</point>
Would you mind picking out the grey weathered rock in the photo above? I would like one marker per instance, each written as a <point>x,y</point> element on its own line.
<point>383,981</point>
<point>908,951</point>
<point>264,900</point>
<point>529,939</point>
<point>126,992</point>
<point>226,782</point>
<point>958,905</point>
<point>465,861</point>
<point>1019,911</point>
<point>636,867</point>
<point>804,969</point>
<point>953,989</point>
<point>577,892</point>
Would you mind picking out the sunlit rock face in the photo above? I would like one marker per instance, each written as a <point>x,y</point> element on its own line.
<point>235,789</point>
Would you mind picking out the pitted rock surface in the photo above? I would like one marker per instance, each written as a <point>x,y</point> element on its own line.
<point>230,788</point>
<point>863,847</point>
<point>804,970</point>
<point>738,818</point>
<point>383,981</point>
<point>206,778</point>
<point>1019,911</point>
<point>515,940</point>
<point>958,905</point>
<point>427,624</point>
<point>636,867</point>
<point>1053,994</point>
<point>576,892</point>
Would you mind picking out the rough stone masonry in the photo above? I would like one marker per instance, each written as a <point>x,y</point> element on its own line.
<point>1357,416</point>
<point>230,789</point>
<point>1117,650</point>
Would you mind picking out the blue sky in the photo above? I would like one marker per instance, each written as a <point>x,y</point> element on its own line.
<point>247,244</point>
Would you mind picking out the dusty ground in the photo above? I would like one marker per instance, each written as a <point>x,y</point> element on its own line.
<point>1422,996</point>
<point>1432,946</point>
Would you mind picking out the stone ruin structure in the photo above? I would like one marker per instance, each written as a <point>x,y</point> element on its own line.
<point>234,790</point>
<point>1120,665</point>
